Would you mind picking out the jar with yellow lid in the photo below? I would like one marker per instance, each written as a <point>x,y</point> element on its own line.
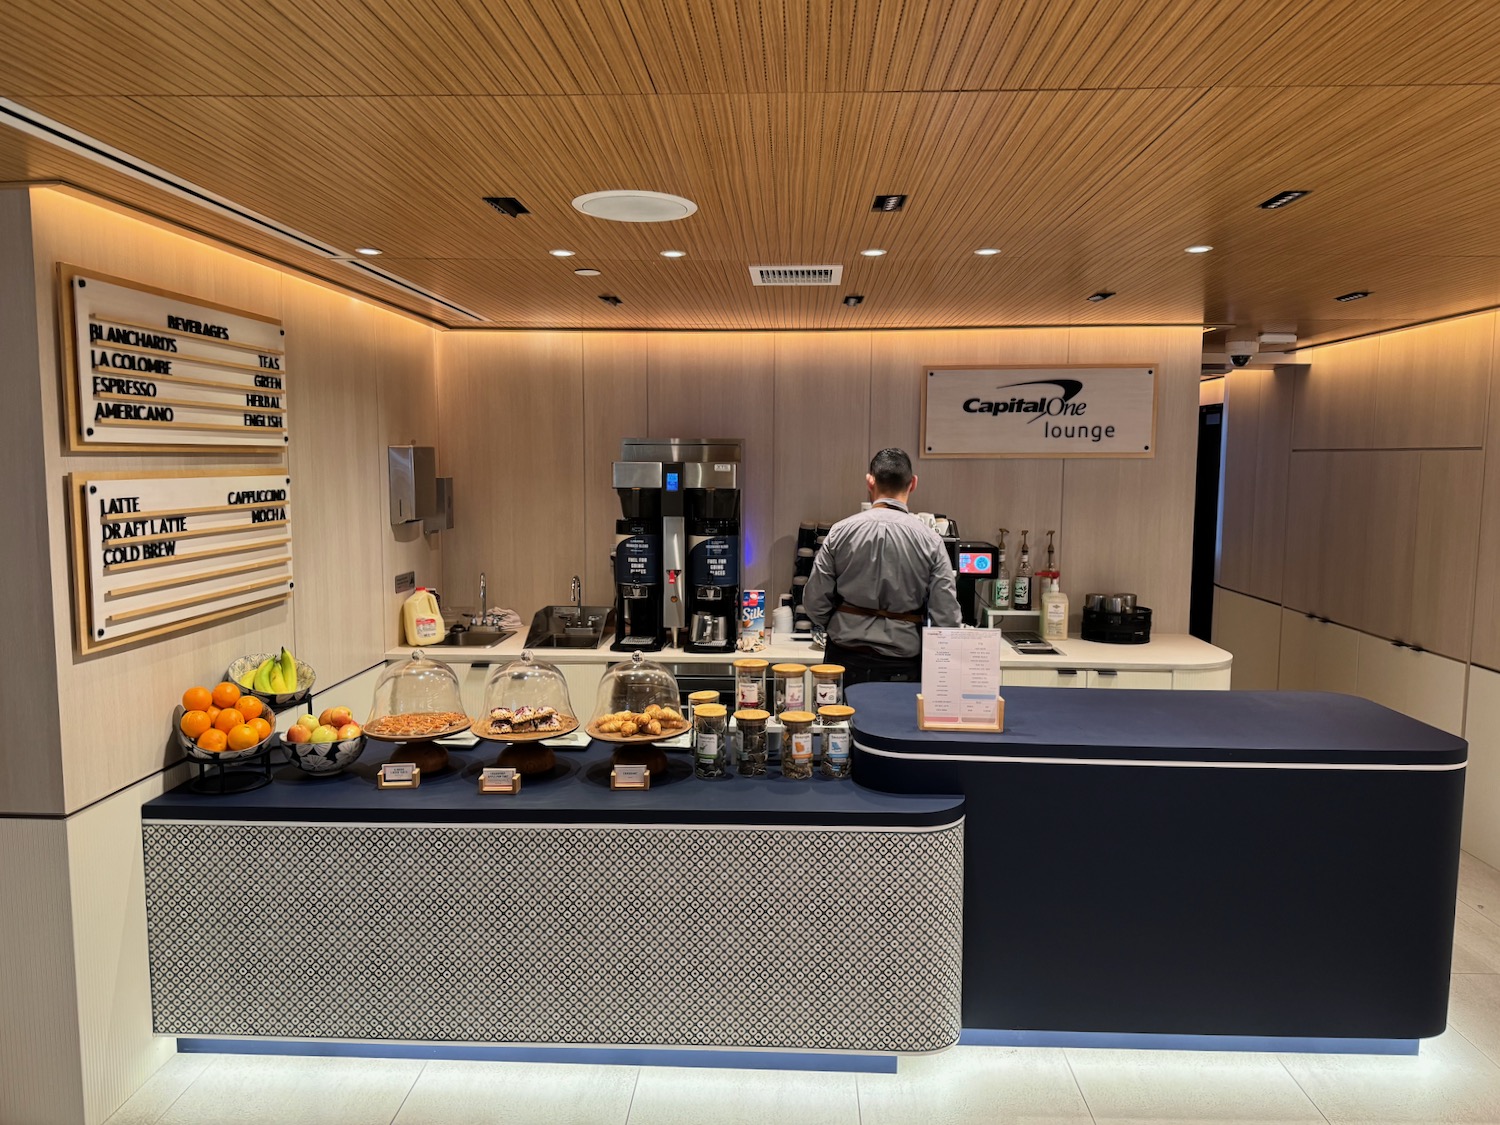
<point>750,683</point>
<point>791,686</point>
<point>710,723</point>
<point>797,745</point>
<point>751,722</point>
<point>828,684</point>
<point>836,737</point>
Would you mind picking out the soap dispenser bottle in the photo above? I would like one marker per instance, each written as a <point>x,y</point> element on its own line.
<point>1002,575</point>
<point>1054,601</point>
<point>1021,592</point>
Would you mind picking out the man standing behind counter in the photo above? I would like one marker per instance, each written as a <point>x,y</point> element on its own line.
<point>880,575</point>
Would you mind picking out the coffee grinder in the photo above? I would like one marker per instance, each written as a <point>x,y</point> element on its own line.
<point>677,550</point>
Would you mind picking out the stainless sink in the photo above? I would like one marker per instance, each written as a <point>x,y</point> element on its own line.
<point>570,626</point>
<point>476,636</point>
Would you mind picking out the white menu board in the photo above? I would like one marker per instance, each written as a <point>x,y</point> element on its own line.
<point>149,368</point>
<point>162,552</point>
<point>960,677</point>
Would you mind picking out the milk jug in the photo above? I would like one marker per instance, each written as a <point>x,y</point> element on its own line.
<point>421,618</point>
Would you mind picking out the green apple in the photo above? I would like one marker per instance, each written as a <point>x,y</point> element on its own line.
<point>325,734</point>
<point>348,731</point>
<point>308,721</point>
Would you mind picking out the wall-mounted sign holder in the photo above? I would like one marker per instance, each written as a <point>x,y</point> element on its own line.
<point>1072,410</point>
<point>148,370</point>
<point>156,553</point>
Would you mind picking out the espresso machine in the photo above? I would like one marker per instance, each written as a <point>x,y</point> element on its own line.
<point>677,548</point>
<point>974,568</point>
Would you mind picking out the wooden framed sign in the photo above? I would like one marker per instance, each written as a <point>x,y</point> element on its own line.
<point>151,370</point>
<point>1039,411</point>
<point>160,552</point>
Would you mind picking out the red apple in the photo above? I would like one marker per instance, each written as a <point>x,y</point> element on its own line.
<point>348,731</point>
<point>297,733</point>
<point>336,717</point>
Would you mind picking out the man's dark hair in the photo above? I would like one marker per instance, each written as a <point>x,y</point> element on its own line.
<point>891,469</point>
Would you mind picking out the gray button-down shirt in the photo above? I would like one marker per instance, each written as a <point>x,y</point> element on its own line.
<point>884,558</point>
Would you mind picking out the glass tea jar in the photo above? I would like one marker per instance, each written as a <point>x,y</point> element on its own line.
<point>710,725</point>
<point>791,687</point>
<point>797,744</point>
<point>834,733</point>
<point>828,684</point>
<point>750,683</point>
<point>751,722</point>
<point>695,699</point>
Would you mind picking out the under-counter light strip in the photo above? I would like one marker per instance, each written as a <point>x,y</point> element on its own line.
<point>43,128</point>
<point>1373,767</point>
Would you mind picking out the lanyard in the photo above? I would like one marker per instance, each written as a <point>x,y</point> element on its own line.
<point>892,505</point>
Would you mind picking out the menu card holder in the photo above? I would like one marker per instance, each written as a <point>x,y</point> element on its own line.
<point>630,777</point>
<point>960,681</point>
<point>499,779</point>
<point>398,775</point>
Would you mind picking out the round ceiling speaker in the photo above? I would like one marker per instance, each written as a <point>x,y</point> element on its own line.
<point>635,206</point>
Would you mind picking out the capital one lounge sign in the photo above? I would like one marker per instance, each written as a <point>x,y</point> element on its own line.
<point>1039,412</point>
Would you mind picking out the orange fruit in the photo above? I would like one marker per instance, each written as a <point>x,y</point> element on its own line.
<point>242,737</point>
<point>262,728</point>
<point>213,713</point>
<point>227,694</point>
<point>196,699</point>
<point>213,741</point>
<point>195,723</point>
<point>228,719</point>
<point>250,707</point>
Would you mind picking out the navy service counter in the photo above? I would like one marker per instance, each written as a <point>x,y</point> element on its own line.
<point>738,913</point>
<point>1194,863</point>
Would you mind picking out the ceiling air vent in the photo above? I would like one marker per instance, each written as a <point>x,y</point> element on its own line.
<point>796,275</point>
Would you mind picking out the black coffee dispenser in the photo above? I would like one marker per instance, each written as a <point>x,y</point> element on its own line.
<point>712,512</point>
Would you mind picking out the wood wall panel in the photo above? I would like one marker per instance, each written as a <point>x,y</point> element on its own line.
<point>724,385</point>
<point>1447,547</point>
<point>823,427</point>
<point>1335,398</point>
<point>1433,385</point>
<point>1128,525</point>
<point>615,405</point>
<point>1241,436</point>
<point>983,495</point>
<point>511,422</point>
<point>1486,648</point>
<point>1379,492</point>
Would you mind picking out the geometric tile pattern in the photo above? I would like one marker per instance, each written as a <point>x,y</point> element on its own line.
<point>808,938</point>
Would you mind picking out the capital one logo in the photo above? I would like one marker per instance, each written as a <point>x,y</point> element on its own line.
<point>1061,403</point>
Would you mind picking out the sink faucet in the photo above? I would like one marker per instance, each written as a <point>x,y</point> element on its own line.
<point>484,598</point>
<point>577,592</point>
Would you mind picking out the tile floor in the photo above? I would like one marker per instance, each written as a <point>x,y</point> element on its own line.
<point>1456,1078</point>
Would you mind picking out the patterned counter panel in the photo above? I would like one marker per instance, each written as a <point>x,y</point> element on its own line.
<point>808,938</point>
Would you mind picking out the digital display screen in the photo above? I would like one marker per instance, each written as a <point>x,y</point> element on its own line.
<point>671,482</point>
<point>974,563</point>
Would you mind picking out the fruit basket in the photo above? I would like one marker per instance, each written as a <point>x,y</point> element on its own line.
<point>326,744</point>
<point>253,674</point>
<point>190,747</point>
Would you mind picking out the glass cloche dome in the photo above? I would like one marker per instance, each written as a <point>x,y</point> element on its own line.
<point>416,699</point>
<point>638,699</point>
<point>526,696</point>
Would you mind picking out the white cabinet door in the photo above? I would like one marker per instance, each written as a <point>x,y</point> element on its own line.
<point>583,687</point>
<point>1203,679</point>
<point>1419,684</point>
<point>471,686</point>
<point>1482,786</point>
<point>1043,677</point>
<point>1126,678</point>
<point>1251,630</point>
<point>1317,655</point>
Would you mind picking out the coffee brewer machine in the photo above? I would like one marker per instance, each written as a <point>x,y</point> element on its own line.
<point>974,562</point>
<point>677,547</point>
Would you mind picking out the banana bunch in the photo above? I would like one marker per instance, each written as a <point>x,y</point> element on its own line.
<point>276,675</point>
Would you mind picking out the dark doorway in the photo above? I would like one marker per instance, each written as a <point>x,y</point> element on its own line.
<point>1206,521</point>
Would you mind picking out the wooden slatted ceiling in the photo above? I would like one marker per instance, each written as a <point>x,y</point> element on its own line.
<point>1091,141</point>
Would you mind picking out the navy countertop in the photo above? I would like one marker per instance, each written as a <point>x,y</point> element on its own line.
<point>577,793</point>
<point>1251,727</point>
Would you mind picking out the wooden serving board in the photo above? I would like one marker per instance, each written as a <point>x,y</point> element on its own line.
<point>481,729</point>
<point>635,739</point>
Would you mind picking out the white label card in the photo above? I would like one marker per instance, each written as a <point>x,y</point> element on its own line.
<point>498,778</point>
<point>631,777</point>
<point>960,675</point>
<point>399,771</point>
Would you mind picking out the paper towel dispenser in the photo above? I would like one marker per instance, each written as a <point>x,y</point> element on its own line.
<point>414,483</point>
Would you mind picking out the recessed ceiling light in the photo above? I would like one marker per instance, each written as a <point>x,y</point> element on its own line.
<point>1357,295</point>
<point>1281,199</point>
<point>1102,295</point>
<point>889,203</point>
<point>635,206</point>
<point>854,300</point>
<point>561,253</point>
<point>872,253</point>
<point>1199,249</point>
<point>987,252</point>
<point>367,251</point>
<point>674,253</point>
<point>587,273</point>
